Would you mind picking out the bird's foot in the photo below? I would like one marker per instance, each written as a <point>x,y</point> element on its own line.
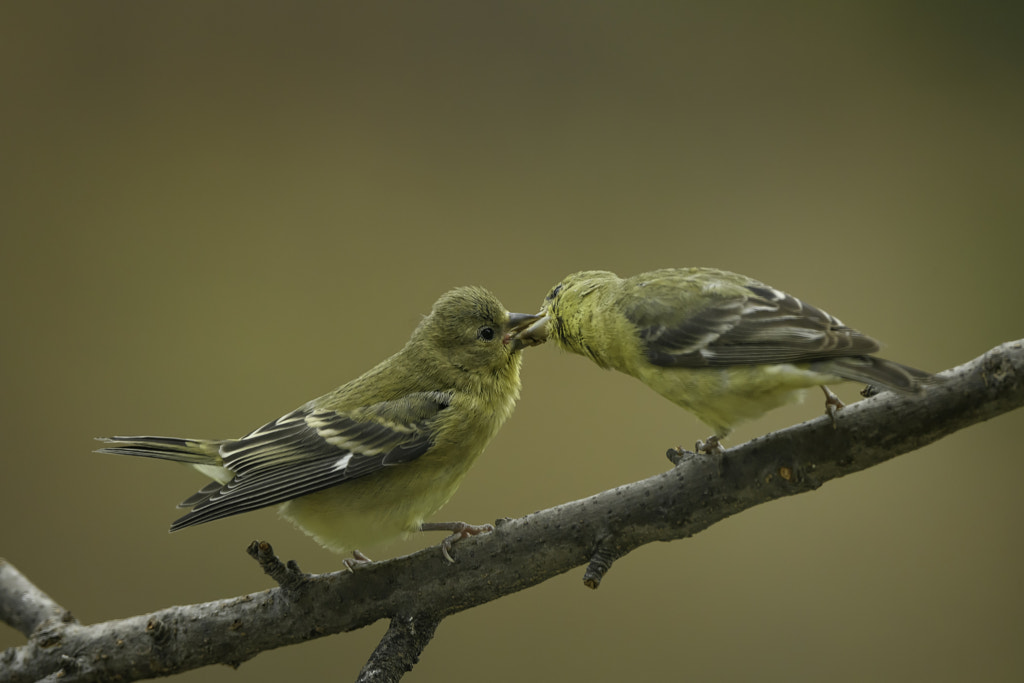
<point>832,405</point>
<point>710,447</point>
<point>460,530</point>
<point>357,558</point>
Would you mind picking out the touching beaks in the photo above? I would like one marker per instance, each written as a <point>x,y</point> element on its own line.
<point>517,324</point>
<point>532,331</point>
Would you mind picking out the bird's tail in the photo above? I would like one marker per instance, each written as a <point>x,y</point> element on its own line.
<point>189,451</point>
<point>879,372</point>
<point>202,454</point>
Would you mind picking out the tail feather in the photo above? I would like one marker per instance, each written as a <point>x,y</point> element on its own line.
<point>201,454</point>
<point>196,498</point>
<point>878,371</point>
<point>190,451</point>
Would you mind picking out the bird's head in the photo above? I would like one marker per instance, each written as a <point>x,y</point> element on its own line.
<point>562,306</point>
<point>474,331</point>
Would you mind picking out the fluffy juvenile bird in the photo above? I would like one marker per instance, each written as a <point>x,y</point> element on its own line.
<point>369,461</point>
<point>722,345</point>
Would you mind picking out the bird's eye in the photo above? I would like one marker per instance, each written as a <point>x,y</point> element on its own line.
<point>485,333</point>
<point>554,292</point>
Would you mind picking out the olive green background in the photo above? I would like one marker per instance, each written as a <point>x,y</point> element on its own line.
<point>213,212</point>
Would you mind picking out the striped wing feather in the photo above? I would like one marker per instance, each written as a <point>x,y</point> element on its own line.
<point>311,449</point>
<point>756,325</point>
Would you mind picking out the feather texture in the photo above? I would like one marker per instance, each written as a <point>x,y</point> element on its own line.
<point>720,344</point>
<point>371,459</point>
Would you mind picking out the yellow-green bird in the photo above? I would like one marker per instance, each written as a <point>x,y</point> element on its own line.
<point>721,345</point>
<point>369,461</point>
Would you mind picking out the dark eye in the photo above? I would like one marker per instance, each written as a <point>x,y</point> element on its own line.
<point>554,292</point>
<point>486,333</point>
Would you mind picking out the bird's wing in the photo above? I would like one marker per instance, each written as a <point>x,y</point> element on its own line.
<point>746,325</point>
<point>311,449</point>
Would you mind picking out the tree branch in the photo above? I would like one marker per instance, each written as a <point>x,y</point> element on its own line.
<point>699,491</point>
<point>24,606</point>
<point>399,649</point>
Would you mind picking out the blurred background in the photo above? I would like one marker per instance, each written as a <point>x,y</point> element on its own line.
<point>215,211</point>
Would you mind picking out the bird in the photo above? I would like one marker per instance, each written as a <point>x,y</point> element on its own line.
<point>724,346</point>
<point>369,461</point>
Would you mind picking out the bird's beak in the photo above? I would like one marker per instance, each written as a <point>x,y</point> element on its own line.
<point>533,331</point>
<point>517,324</point>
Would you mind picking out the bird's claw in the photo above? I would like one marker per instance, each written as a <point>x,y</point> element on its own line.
<point>710,447</point>
<point>833,405</point>
<point>460,530</point>
<point>357,558</point>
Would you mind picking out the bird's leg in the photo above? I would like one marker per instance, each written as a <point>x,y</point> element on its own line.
<point>357,558</point>
<point>460,530</point>
<point>832,405</point>
<point>710,447</point>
